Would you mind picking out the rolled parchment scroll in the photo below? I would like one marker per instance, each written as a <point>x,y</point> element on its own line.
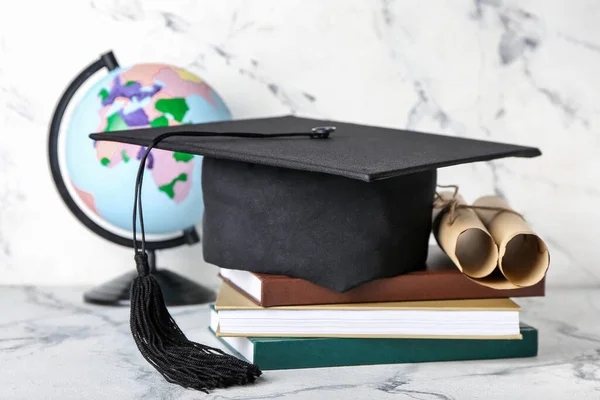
<point>464,237</point>
<point>523,257</point>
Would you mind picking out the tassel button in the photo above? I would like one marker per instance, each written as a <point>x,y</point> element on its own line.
<point>141,264</point>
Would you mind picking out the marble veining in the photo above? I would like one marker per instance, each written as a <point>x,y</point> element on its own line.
<point>524,72</point>
<point>502,70</point>
<point>56,347</point>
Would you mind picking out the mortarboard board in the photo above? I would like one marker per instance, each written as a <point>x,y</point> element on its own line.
<point>353,206</point>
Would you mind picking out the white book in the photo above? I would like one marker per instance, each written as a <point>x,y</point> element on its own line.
<point>242,345</point>
<point>245,280</point>
<point>477,319</point>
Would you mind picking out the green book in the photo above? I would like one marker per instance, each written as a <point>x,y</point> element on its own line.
<point>295,353</point>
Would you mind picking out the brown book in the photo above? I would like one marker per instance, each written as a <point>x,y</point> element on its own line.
<point>440,281</point>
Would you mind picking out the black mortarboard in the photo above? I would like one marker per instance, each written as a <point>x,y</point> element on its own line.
<point>336,212</point>
<point>352,205</point>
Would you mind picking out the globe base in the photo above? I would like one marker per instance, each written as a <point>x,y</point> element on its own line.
<point>177,290</point>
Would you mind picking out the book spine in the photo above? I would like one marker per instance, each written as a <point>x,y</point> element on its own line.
<point>290,292</point>
<point>317,353</point>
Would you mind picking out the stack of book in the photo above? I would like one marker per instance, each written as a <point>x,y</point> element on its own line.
<point>437,314</point>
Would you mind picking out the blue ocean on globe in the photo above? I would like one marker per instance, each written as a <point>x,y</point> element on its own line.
<point>103,173</point>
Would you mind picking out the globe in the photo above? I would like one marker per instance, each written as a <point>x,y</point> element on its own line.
<point>102,174</point>
<point>96,180</point>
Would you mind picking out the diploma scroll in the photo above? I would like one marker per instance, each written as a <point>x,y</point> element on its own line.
<point>464,238</point>
<point>489,242</point>
<point>523,257</point>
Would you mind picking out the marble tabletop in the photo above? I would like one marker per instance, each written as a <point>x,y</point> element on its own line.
<point>54,346</point>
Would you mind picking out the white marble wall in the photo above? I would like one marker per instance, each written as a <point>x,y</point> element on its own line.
<point>525,72</point>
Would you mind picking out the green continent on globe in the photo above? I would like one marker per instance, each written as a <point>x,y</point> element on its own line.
<point>176,107</point>
<point>103,94</point>
<point>169,188</point>
<point>183,157</point>
<point>115,123</point>
<point>160,121</point>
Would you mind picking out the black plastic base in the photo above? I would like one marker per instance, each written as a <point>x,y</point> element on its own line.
<point>177,290</point>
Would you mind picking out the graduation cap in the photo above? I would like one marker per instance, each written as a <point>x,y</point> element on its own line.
<point>334,203</point>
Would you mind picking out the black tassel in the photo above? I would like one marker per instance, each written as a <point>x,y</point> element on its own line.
<point>157,336</point>
<point>163,344</point>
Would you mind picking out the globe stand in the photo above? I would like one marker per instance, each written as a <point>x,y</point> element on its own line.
<point>177,290</point>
